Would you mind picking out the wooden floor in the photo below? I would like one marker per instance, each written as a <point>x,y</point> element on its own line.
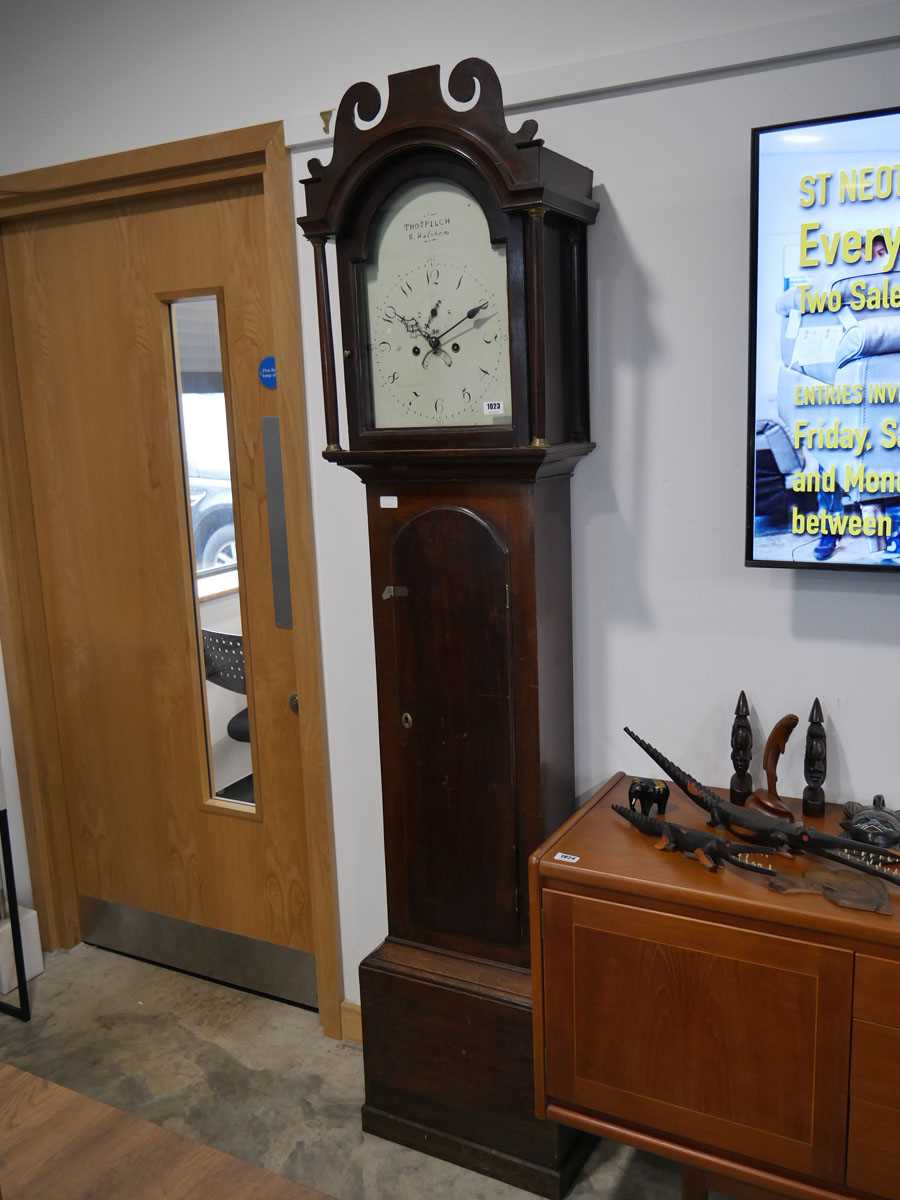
<point>59,1145</point>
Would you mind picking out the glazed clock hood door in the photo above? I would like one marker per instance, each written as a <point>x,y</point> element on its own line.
<point>438,312</point>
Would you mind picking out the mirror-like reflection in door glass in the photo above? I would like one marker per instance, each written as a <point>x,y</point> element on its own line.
<point>204,425</point>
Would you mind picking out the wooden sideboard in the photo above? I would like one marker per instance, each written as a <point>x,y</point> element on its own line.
<point>753,1037</point>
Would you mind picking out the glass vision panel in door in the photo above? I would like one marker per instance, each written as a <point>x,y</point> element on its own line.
<point>203,415</point>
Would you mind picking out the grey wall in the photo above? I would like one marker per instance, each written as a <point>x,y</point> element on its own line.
<point>9,798</point>
<point>85,78</point>
<point>669,624</point>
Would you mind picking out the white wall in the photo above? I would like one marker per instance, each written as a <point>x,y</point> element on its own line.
<point>9,798</point>
<point>669,624</point>
<point>86,78</point>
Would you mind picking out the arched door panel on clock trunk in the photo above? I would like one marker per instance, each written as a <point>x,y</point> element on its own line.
<point>453,651</point>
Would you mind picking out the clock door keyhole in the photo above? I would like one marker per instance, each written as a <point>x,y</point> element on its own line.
<point>406,720</point>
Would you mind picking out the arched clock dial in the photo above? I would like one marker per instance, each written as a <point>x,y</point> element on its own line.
<point>438,313</point>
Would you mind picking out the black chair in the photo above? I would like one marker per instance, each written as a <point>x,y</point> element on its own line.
<point>223,657</point>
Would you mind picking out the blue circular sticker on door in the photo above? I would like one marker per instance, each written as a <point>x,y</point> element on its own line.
<point>268,376</point>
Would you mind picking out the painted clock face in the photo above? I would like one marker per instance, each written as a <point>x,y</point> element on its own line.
<point>438,314</point>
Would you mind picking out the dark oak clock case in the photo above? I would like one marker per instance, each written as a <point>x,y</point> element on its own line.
<point>471,591</point>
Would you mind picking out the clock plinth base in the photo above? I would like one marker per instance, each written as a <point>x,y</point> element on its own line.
<point>553,1182</point>
<point>448,1062</point>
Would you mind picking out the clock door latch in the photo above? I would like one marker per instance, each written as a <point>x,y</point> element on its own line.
<point>393,590</point>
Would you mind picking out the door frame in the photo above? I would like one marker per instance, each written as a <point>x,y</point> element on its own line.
<point>257,152</point>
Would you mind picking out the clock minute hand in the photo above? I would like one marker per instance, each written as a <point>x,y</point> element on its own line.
<point>470,316</point>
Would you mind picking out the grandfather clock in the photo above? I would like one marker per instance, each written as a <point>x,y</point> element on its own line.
<point>461,254</point>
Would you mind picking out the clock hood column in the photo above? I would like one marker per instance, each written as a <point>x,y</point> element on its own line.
<point>326,346</point>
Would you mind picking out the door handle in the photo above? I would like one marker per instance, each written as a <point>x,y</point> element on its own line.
<point>406,720</point>
<point>294,702</point>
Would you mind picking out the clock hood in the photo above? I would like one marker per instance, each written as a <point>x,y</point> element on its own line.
<point>418,117</point>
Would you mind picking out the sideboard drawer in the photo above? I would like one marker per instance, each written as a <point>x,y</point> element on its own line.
<point>699,1030</point>
<point>876,991</point>
<point>875,1070</point>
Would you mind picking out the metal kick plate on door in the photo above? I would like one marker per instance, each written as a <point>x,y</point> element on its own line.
<point>244,962</point>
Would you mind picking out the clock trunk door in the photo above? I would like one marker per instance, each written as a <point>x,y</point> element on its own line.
<point>452,641</point>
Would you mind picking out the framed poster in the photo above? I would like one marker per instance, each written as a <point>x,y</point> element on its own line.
<point>823,484</point>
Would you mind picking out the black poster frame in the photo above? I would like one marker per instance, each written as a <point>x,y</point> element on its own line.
<point>749,559</point>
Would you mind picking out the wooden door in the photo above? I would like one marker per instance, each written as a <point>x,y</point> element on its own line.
<point>728,1038</point>
<point>453,724</point>
<point>91,292</point>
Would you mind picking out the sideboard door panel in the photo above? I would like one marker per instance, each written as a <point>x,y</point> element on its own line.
<point>453,661</point>
<point>873,1147</point>
<point>726,1037</point>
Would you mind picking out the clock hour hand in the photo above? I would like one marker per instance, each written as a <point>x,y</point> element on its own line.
<point>470,316</point>
<point>410,324</point>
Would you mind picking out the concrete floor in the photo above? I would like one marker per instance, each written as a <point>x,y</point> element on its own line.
<point>254,1078</point>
